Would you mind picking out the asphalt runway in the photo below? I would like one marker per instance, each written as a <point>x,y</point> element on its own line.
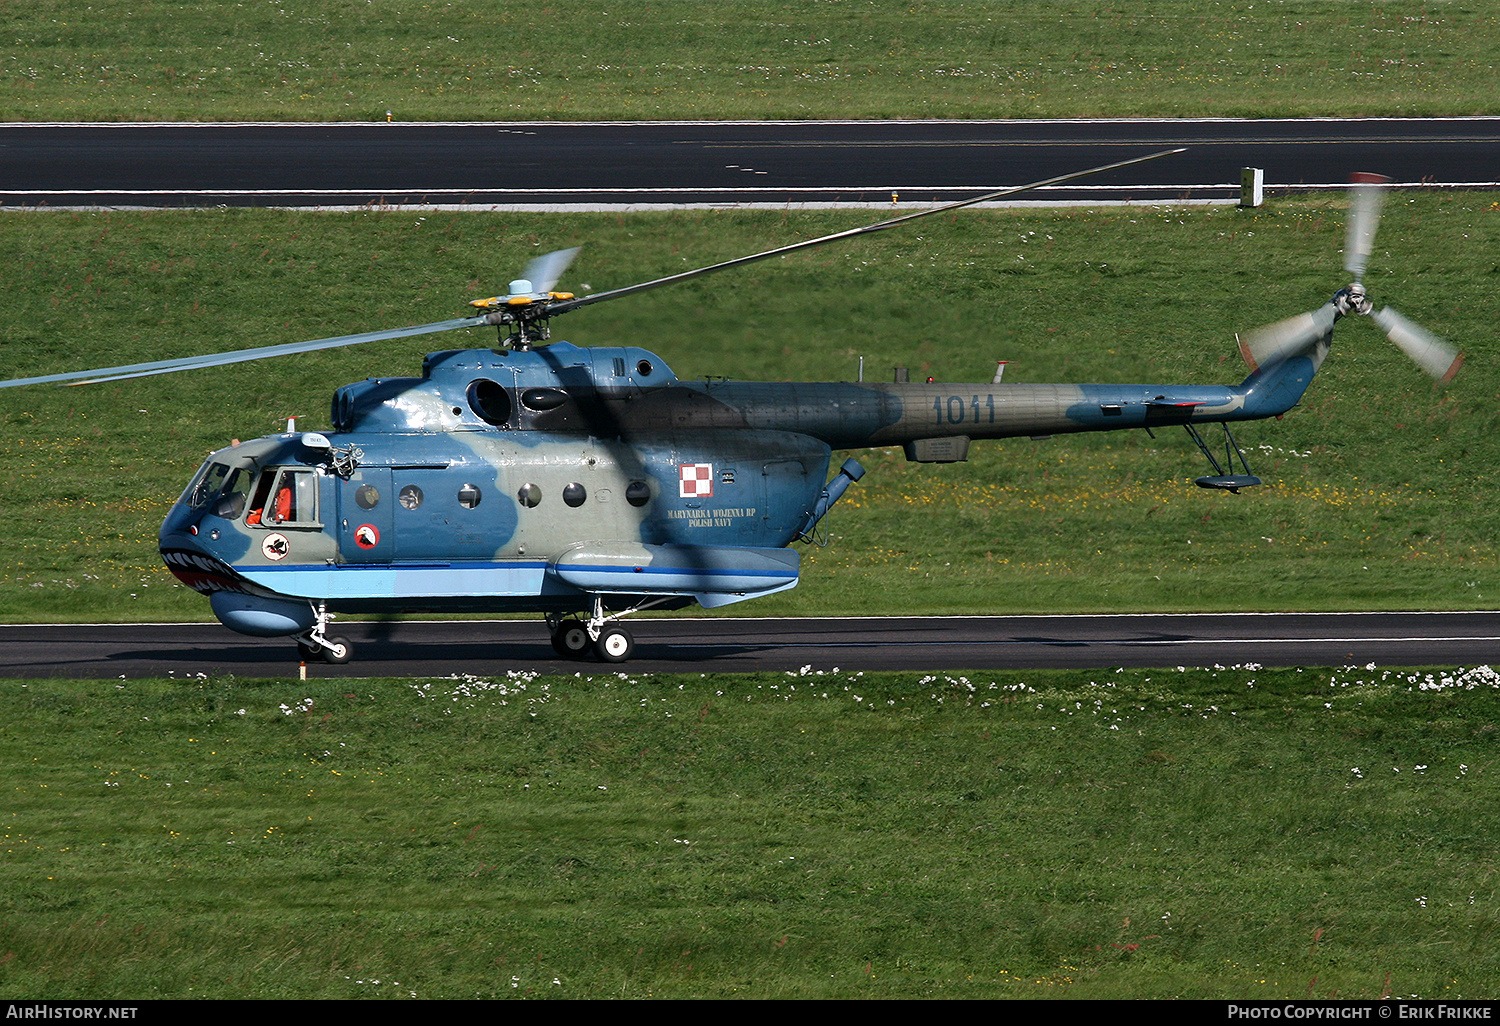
<point>570,166</point>
<point>444,648</point>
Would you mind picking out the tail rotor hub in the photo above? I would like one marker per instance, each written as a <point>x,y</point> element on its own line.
<point>1353,299</point>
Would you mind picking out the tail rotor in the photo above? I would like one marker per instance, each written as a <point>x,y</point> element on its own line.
<point>1299,334</point>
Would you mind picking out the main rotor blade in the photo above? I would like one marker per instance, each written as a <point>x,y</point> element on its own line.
<point>1264,345</point>
<point>546,271</point>
<point>1425,349</point>
<point>573,304</point>
<point>142,370</point>
<point>543,271</point>
<point>1366,197</point>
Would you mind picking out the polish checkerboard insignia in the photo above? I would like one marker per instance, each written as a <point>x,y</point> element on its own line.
<point>695,480</point>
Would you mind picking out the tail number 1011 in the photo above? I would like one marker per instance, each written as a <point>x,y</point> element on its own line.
<point>955,409</point>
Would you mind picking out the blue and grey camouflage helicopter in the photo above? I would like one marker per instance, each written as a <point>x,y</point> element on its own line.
<point>591,483</point>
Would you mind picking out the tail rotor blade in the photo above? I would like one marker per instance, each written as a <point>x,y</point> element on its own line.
<point>1366,197</point>
<point>1264,345</point>
<point>1425,349</point>
<point>1303,333</point>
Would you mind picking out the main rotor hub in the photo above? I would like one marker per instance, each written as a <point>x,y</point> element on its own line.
<point>526,314</point>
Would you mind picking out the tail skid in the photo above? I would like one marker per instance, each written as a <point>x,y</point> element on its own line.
<point>1283,357</point>
<point>1223,476</point>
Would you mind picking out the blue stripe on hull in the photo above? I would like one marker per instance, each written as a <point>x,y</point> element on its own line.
<point>484,580</point>
<point>386,581</point>
<point>592,577</point>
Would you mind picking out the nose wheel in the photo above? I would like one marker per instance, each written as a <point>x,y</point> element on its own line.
<point>327,650</point>
<point>316,646</point>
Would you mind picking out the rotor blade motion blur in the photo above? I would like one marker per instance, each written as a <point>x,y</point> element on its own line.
<point>546,271</point>
<point>1299,334</point>
<point>1425,349</point>
<point>1366,197</point>
<point>573,304</point>
<point>1265,345</point>
<point>142,370</point>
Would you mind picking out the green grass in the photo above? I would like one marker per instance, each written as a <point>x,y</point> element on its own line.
<point>1375,486</point>
<point>1201,834</point>
<point>318,60</point>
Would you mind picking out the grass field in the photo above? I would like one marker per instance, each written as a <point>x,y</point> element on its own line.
<point>464,60</point>
<point>1375,493</point>
<point>1200,834</point>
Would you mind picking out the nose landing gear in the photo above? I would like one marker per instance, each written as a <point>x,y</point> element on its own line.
<point>316,645</point>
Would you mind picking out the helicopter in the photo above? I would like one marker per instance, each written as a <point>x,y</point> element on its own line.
<point>589,484</point>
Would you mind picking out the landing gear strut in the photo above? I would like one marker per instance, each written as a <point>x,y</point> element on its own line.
<point>317,645</point>
<point>573,637</point>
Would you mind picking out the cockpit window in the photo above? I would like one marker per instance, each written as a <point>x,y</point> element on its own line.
<point>231,501</point>
<point>205,484</point>
<point>212,480</point>
<point>285,497</point>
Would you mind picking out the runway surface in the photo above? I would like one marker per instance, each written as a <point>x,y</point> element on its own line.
<point>443,648</point>
<point>644,165</point>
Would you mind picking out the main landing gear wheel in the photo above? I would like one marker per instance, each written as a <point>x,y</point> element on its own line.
<point>615,645</point>
<point>571,639</point>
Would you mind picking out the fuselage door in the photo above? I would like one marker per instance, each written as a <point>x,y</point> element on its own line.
<point>366,501</point>
<point>784,501</point>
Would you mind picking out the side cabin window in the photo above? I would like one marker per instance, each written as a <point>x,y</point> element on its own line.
<point>285,497</point>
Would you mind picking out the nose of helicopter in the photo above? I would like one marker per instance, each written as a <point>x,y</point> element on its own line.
<point>191,563</point>
<point>194,548</point>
